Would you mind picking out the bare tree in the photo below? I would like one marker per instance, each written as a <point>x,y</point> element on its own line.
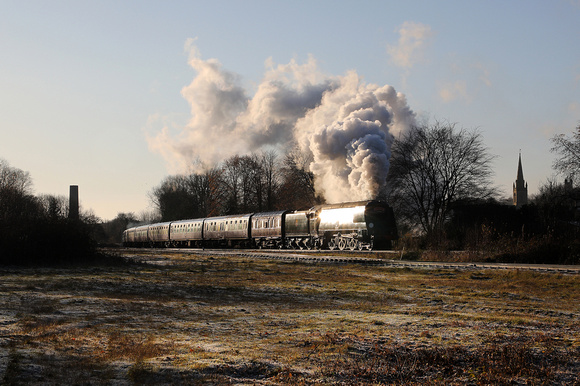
<point>271,176</point>
<point>172,199</point>
<point>252,187</point>
<point>14,178</point>
<point>54,207</point>
<point>205,192</point>
<point>297,188</point>
<point>241,184</point>
<point>433,167</point>
<point>568,151</point>
<point>231,178</point>
<point>147,216</point>
<point>16,199</point>
<point>190,196</point>
<point>113,229</point>
<point>247,183</point>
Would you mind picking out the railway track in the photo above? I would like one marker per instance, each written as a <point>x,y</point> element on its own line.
<point>324,257</point>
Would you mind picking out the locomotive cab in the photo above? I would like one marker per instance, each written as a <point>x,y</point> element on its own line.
<point>380,223</point>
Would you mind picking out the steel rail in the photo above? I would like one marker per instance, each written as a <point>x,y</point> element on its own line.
<point>323,257</point>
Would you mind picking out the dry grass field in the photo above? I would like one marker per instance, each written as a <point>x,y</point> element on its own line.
<point>202,319</point>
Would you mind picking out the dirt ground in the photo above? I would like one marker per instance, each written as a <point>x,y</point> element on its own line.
<point>203,319</point>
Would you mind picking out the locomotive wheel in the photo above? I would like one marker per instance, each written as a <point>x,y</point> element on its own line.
<point>341,243</point>
<point>318,244</point>
<point>331,244</point>
<point>352,244</point>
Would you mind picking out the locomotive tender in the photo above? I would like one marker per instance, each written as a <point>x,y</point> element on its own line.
<point>353,225</point>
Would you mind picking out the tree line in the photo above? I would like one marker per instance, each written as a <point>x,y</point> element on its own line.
<point>241,184</point>
<point>439,185</point>
<point>36,230</point>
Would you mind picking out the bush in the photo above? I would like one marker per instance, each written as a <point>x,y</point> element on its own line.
<point>45,242</point>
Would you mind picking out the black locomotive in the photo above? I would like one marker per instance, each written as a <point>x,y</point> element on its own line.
<point>353,225</point>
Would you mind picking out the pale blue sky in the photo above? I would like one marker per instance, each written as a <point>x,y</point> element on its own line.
<point>83,82</point>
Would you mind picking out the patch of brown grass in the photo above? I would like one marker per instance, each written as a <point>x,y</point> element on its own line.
<point>133,347</point>
<point>219,320</point>
<point>512,360</point>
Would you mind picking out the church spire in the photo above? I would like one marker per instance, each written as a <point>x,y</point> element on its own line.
<point>520,186</point>
<point>520,176</point>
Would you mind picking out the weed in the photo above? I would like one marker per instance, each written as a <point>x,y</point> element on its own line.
<point>141,373</point>
<point>134,347</point>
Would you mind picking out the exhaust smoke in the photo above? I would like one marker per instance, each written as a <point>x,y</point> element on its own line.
<point>344,125</point>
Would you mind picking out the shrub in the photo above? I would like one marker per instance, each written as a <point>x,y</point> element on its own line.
<point>45,242</point>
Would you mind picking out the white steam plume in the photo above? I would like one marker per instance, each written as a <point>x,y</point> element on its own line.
<point>350,135</point>
<point>345,125</point>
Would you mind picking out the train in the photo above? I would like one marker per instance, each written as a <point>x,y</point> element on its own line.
<point>347,226</point>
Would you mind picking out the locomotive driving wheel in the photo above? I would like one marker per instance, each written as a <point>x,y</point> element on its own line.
<point>342,243</point>
<point>352,244</point>
<point>332,244</point>
<point>318,243</point>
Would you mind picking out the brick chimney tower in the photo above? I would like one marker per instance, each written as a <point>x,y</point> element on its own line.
<point>73,203</point>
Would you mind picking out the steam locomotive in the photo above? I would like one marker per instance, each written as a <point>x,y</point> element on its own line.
<point>353,226</point>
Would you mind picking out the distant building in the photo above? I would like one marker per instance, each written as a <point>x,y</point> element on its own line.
<point>73,203</point>
<point>520,187</point>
